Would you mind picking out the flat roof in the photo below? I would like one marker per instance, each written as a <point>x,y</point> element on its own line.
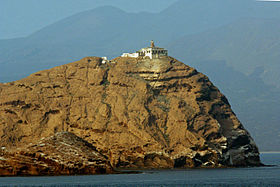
<point>153,48</point>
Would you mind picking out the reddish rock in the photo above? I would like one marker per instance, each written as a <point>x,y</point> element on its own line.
<point>61,154</point>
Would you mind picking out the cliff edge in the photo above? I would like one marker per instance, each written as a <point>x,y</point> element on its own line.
<point>139,113</point>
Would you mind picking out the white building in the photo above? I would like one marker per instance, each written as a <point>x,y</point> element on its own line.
<point>104,60</point>
<point>151,52</point>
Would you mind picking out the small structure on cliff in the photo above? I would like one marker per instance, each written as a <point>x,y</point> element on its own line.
<point>151,52</point>
<point>104,60</point>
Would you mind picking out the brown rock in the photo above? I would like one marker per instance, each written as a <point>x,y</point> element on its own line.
<point>61,154</point>
<point>140,113</point>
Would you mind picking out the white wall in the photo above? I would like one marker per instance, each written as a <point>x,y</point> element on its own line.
<point>133,55</point>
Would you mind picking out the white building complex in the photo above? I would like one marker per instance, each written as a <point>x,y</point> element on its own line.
<point>151,52</point>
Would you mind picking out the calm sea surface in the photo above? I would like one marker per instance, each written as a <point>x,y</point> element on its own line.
<point>259,176</point>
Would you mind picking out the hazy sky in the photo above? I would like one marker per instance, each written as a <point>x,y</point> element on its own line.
<point>20,18</point>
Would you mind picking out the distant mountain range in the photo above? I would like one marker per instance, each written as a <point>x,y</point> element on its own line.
<point>245,45</point>
<point>235,42</point>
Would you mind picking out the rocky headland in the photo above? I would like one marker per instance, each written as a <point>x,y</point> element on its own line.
<point>129,113</point>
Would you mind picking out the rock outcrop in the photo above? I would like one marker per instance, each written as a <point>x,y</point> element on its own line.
<point>61,154</point>
<point>140,113</point>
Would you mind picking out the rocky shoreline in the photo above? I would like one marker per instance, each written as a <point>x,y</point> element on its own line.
<point>64,154</point>
<point>61,154</point>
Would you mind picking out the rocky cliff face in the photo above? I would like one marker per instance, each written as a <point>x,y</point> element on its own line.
<point>140,113</point>
<point>61,154</point>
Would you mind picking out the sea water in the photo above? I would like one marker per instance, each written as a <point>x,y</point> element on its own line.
<point>254,176</point>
